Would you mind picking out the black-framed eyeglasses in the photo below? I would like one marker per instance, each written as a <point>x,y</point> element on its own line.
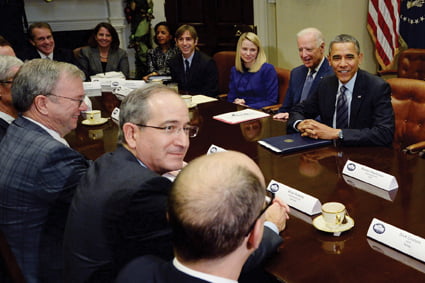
<point>269,202</point>
<point>6,82</point>
<point>80,101</point>
<point>189,130</point>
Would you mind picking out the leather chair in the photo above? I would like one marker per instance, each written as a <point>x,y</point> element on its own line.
<point>283,84</point>
<point>224,61</point>
<point>411,64</point>
<point>408,101</point>
<point>8,260</point>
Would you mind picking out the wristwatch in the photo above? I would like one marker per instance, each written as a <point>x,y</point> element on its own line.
<point>340,135</point>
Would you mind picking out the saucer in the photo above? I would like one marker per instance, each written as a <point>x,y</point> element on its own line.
<point>95,123</point>
<point>319,223</point>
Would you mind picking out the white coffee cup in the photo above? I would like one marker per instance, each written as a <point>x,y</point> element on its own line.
<point>93,116</point>
<point>187,99</point>
<point>334,213</point>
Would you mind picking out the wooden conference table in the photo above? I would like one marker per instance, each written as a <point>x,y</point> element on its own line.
<point>307,254</point>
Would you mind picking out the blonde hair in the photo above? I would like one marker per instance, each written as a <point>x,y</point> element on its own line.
<point>261,55</point>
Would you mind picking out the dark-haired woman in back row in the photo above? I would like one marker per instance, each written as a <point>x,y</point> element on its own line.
<point>103,53</point>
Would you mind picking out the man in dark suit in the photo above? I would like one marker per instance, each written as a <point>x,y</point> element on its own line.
<point>304,79</point>
<point>39,171</point>
<point>213,235</point>
<point>9,66</point>
<point>194,71</point>
<point>43,45</point>
<point>354,106</point>
<point>119,210</point>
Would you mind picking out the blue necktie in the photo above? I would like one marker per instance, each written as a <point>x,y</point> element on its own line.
<point>307,85</point>
<point>342,110</point>
<point>186,72</point>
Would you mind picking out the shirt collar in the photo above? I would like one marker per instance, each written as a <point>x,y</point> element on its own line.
<point>318,66</point>
<point>51,132</point>
<point>350,84</point>
<point>190,58</point>
<point>43,56</point>
<point>197,274</point>
<point>9,119</point>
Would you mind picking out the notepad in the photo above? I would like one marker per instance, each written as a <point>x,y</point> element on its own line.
<point>292,142</point>
<point>237,117</point>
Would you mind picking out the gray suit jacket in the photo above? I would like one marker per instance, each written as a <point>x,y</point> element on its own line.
<point>38,177</point>
<point>89,62</point>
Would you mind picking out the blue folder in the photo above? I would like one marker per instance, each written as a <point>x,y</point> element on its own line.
<point>291,143</point>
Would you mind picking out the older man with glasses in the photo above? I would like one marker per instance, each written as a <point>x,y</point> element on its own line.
<point>39,171</point>
<point>119,210</point>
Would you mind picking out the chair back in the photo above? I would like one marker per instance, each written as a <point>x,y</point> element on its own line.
<point>408,101</point>
<point>411,64</point>
<point>224,61</point>
<point>8,259</point>
<point>283,81</point>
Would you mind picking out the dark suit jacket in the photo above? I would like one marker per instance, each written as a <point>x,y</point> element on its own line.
<point>3,128</point>
<point>296,83</point>
<point>59,54</point>
<point>38,177</point>
<point>150,269</point>
<point>203,77</point>
<point>119,213</point>
<point>371,117</point>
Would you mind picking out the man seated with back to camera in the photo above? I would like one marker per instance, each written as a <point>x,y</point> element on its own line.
<point>354,106</point>
<point>121,201</point>
<point>217,217</point>
<point>194,71</point>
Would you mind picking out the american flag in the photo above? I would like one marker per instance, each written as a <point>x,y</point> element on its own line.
<point>383,26</point>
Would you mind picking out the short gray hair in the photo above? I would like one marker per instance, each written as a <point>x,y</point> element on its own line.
<point>7,63</point>
<point>39,76</point>
<point>343,38</point>
<point>135,108</point>
<point>316,32</point>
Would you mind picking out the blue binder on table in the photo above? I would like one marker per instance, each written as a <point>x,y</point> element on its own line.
<point>291,143</point>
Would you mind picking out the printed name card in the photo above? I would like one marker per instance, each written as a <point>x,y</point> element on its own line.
<point>213,149</point>
<point>397,238</point>
<point>369,175</point>
<point>294,198</point>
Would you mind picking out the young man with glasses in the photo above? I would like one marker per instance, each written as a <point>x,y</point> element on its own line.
<point>213,235</point>
<point>39,171</point>
<point>121,202</point>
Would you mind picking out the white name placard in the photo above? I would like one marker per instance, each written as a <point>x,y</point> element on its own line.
<point>388,195</point>
<point>213,149</point>
<point>296,199</point>
<point>397,238</point>
<point>369,175</point>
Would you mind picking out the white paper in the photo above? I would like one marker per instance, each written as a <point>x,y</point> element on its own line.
<point>369,175</point>
<point>240,116</point>
<point>296,199</point>
<point>388,195</point>
<point>199,98</point>
<point>397,238</point>
<point>92,89</point>
<point>214,149</point>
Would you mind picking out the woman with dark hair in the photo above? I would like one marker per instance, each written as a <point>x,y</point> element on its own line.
<point>158,58</point>
<point>103,53</point>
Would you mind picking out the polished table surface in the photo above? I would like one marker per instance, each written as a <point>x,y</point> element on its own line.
<point>307,254</point>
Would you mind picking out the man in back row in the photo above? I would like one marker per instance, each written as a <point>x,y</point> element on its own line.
<point>304,79</point>
<point>354,106</point>
<point>43,45</point>
<point>119,210</point>
<point>217,216</point>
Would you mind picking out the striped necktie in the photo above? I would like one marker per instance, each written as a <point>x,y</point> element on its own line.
<point>307,85</point>
<point>342,109</point>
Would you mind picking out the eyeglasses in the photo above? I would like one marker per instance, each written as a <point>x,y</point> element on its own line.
<point>6,82</point>
<point>269,202</point>
<point>191,131</point>
<point>80,101</point>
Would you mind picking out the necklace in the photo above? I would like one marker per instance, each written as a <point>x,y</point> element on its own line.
<point>103,57</point>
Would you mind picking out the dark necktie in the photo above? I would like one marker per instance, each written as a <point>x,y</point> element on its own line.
<point>342,110</point>
<point>307,85</point>
<point>186,72</point>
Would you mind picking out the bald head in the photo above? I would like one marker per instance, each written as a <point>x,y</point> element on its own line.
<point>213,203</point>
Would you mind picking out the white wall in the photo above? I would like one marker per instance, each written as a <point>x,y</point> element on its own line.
<point>332,17</point>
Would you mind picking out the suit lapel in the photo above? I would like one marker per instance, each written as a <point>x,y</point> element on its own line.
<point>357,98</point>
